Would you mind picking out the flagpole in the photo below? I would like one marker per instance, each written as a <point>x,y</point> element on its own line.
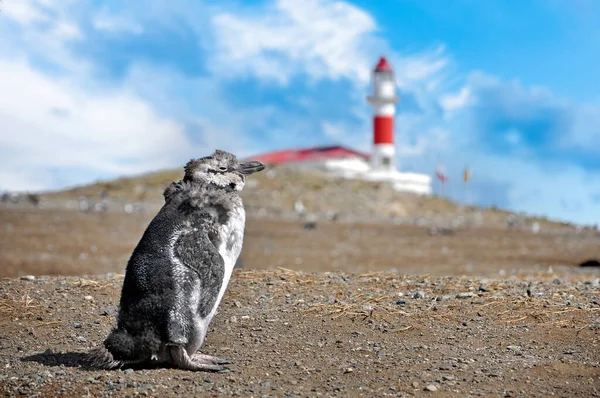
<point>441,175</point>
<point>466,178</point>
<point>442,182</point>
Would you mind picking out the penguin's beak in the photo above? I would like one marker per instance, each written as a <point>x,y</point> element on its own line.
<point>250,167</point>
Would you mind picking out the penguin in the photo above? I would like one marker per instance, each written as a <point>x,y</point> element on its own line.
<point>178,272</point>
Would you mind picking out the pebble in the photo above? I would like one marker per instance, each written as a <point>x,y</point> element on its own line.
<point>81,339</point>
<point>128,371</point>
<point>77,325</point>
<point>401,302</point>
<point>419,295</point>
<point>47,374</point>
<point>431,387</point>
<point>483,288</point>
<point>88,298</point>
<point>466,295</point>
<point>28,278</point>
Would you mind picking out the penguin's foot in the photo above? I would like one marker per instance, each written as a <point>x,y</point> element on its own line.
<point>182,360</point>
<point>204,357</point>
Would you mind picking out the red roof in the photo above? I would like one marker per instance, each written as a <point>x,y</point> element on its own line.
<point>305,154</point>
<point>383,65</point>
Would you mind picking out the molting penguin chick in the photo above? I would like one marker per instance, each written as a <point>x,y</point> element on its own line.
<point>179,271</point>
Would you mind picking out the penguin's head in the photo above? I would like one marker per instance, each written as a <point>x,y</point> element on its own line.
<point>222,169</point>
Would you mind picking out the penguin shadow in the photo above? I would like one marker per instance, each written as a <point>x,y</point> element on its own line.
<point>66,359</point>
<point>81,361</point>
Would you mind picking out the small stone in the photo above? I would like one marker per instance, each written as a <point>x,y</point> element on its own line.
<point>28,278</point>
<point>513,348</point>
<point>419,295</point>
<point>81,339</point>
<point>128,371</point>
<point>48,352</point>
<point>445,366</point>
<point>483,288</point>
<point>77,325</point>
<point>466,295</point>
<point>448,377</point>
<point>348,370</point>
<point>431,387</point>
<point>415,384</point>
<point>401,302</point>
<point>88,298</point>
<point>47,374</point>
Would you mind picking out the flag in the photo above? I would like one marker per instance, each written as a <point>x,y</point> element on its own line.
<point>440,174</point>
<point>467,175</point>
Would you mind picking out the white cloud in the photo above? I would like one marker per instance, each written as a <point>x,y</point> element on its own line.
<point>325,39</point>
<point>430,141</point>
<point>23,11</point>
<point>333,130</point>
<point>513,137</point>
<point>66,31</point>
<point>453,102</point>
<point>53,124</point>
<point>42,29</point>
<point>116,24</point>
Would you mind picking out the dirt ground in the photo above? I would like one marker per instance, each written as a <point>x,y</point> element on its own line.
<point>337,310</point>
<point>68,242</point>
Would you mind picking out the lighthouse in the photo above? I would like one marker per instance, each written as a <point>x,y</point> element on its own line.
<point>380,166</point>
<point>383,101</point>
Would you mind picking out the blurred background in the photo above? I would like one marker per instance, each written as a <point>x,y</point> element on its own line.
<point>489,165</point>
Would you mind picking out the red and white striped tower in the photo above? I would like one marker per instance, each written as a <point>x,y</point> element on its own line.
<point>383,101</point>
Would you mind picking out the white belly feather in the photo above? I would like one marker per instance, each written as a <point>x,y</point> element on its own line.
<point>232,237</point>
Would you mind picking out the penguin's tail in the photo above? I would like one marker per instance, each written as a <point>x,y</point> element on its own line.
<point>118,344</point>
<point>120,349</point>
<point>100,358</point>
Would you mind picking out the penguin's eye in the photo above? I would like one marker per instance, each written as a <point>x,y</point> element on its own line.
<point>223,168</point>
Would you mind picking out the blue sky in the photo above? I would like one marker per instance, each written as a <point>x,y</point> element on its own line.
<point>97,89</point>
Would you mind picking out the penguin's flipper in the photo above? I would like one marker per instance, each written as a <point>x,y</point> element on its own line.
<point>195,250</point>
<point>182,360</point>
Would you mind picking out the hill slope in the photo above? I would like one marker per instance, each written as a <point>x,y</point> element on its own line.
<point>276,191</point>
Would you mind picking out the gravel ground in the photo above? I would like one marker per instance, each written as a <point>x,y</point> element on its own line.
<point>291,333</point>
